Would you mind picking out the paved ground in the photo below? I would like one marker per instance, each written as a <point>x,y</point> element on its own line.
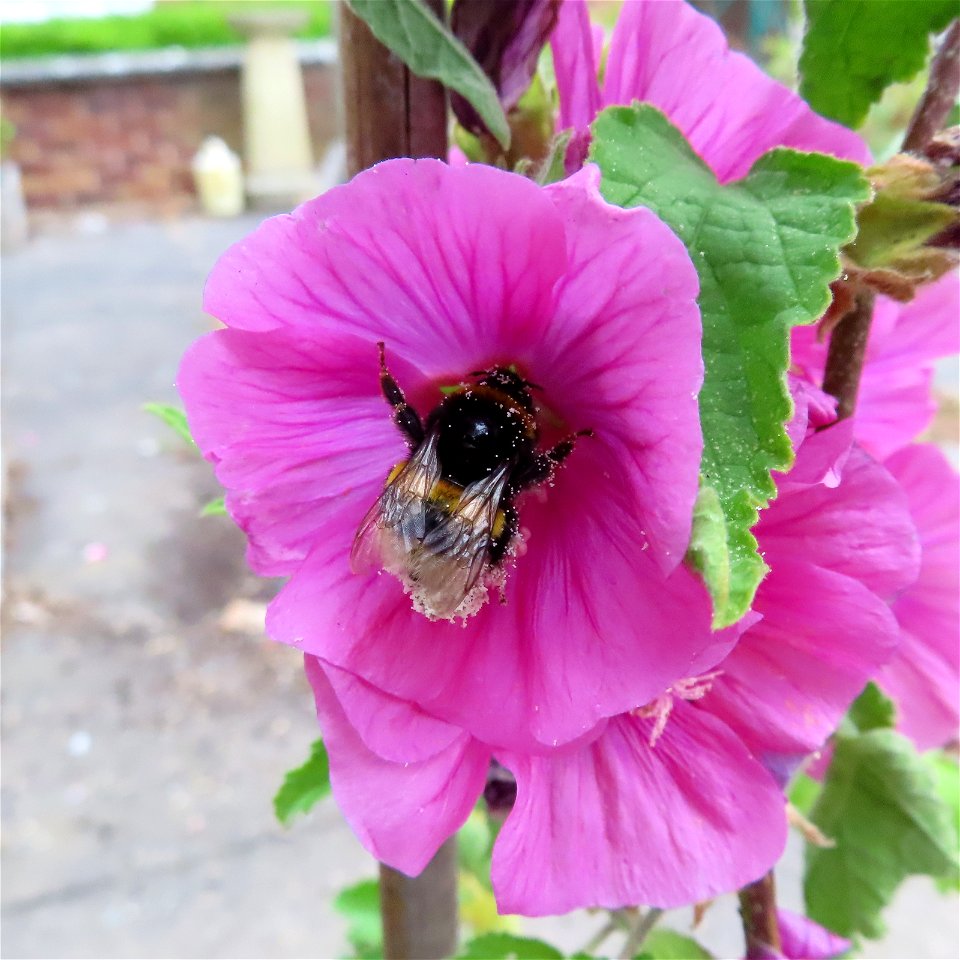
<point>146,723</point>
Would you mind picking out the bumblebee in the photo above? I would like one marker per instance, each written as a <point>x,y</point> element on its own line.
<point>447,518</point>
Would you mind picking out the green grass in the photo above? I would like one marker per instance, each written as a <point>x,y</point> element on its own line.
<point>182,23</point>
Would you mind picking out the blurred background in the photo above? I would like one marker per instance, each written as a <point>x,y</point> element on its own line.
<point>146,722</point>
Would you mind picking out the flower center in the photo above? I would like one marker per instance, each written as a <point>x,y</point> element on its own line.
<point>447,520</point>
<point>690,688</point>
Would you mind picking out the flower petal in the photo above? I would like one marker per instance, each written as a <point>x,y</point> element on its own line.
<point>861,529</point>
<point>620,823</point>
<point>295,434</point>
<point>393,729</point>
<point>790,679</point>
<point>923,677</point>
<point>670,55</point>
<point>575,66</point>
<point>895,401</point>
<point>803,939</point>
<point>453,267</point>
<point>623,357</point>
<point>401,812</point>
<point>590,628</point>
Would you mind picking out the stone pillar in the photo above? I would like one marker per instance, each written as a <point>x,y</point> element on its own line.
<point>277,152</point>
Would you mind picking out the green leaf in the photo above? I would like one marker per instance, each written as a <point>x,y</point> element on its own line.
<point>803,793</point>
<point>872,710</point>
<point>708,551</point>
<point>215,508</point>
<point>946,772</point>
<point>411,31</point>
<point>173,417</point>
<point>475,845</point>
<point>665,944</point>
<point>854,49</point>
<point>881,805</point>
<point>506,946</point>
<point>360,906</point>
<point>766,249</point>
<point>895,227</point>
<point>303,786</point>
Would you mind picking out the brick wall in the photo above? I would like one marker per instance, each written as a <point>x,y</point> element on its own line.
<point>129,138</point>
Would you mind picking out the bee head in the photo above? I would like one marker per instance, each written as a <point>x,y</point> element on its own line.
<point>508,380</point>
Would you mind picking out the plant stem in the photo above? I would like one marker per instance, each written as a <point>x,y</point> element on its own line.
<point>758,911</point>
<point>848,341</point>
<point>638,933</point>
<point>941,93</point>
<point>848,346</point>
<point>594,942</point>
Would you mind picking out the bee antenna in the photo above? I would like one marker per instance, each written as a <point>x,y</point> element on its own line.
<point>532,385</point>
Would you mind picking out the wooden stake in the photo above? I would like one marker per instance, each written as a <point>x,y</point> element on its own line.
<point>420,913</point>
<point>389,112</point>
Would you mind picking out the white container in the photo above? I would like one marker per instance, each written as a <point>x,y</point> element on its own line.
<point>13,209</point>
<point>219,178</point>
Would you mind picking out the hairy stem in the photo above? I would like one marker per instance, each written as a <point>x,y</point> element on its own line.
<point>941,93</point>
<point>848,346</point>
<point>594,942</point>
<point>758,911</point>
<point>638,932</point>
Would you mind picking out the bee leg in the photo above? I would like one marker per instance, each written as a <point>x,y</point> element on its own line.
<point>542,466</point>
<point>404,416</point>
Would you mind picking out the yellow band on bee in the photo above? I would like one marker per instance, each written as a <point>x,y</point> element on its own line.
<point>447,495</point>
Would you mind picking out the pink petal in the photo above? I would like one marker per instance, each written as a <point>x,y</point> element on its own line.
<point>802,939</point>
<point>393,729</point>
<point>575,65</point>
<point>453,267</point>
<point>924,676</point>
<point>927,327</point>
<point>790,679</point>
<point>862,529</point>
<point>401,812</point>
<point>623,353</point>
<point>826,443</point>
<point>895,401</point>
<point>576,641</point>
<point>296,433</point>
<point>669,55</point>
<point>588,599</point>
<point>619,823</point>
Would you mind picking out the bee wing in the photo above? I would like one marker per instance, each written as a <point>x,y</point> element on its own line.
<point>396,525</point>
<point>456,549</point>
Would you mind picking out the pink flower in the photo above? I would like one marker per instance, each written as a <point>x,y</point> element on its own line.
<point>841,545</point>
<point>895,402</point>
<point>924,677</point>
<point>611,822</point>
<point>803,939</point>
<point>677,799</point>
<point>456,270</point>
<point>669,55</point>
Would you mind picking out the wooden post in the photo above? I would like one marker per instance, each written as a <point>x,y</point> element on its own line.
<point>389,112</point>
<point>420,914</point>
